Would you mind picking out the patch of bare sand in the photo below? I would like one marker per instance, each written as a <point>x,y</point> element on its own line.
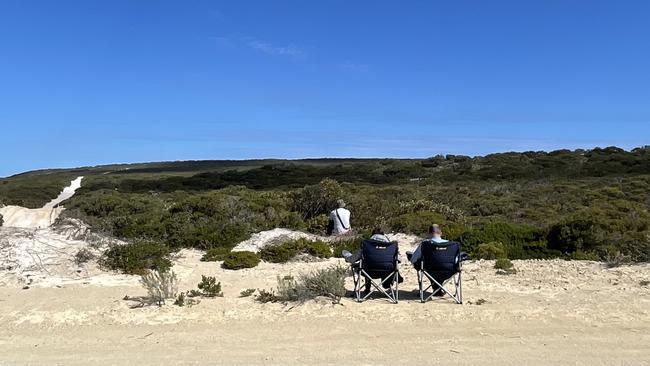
<point>549,312</point>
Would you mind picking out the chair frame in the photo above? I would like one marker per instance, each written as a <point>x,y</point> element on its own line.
<point>456,278</point>
<point>361,278</point>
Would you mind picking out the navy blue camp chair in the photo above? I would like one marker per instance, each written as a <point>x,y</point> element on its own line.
<point>378,261</point>
<point>441,263</point>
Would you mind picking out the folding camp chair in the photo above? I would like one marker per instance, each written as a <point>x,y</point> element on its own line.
<point>378,261</point>
<point>440,264</point>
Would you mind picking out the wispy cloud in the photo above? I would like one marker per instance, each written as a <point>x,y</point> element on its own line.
<point>275,50</point>
<point>351,66</point>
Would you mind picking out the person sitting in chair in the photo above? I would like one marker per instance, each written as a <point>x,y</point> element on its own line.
<point>377,234</point>
<point>435,235</point>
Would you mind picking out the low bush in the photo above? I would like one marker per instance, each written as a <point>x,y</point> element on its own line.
<point>351,244</point>
<point>504,266</point>
<point>265,296</point>
<point>240,260</point>
<point>137,258</point>
<point>215,254</point>
<point>160,285</point>
<point>328,282</point>
<point>247,292</point>
<point>493,250</point>
<point>284,252</point>
<point>209,287</point>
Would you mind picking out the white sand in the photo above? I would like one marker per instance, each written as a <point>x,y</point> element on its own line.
<point>549,312</point>
<point>38,218</point>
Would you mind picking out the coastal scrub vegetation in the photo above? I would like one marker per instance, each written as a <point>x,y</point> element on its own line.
<point>581,204</point>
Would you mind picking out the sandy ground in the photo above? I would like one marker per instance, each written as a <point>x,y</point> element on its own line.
<point>550,312</point>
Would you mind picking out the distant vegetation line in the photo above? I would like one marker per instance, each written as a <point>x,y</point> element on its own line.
<point>569,204</point>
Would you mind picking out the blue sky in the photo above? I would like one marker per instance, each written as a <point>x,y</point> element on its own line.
<point>94,82</point>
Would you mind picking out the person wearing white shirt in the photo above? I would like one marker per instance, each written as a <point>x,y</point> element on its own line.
<point>340,218</point>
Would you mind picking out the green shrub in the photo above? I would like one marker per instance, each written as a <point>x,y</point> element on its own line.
<point>284,252</point>
<point>519,241</point>
<point>240,260</point>
<point>137,258</point>
<point>491,250</point>
<point>351,244</point>
<point>180,299</point>
<point>504,266</point>
<point>210,287</point>
<point>215,254</point>
<point>265,296</point>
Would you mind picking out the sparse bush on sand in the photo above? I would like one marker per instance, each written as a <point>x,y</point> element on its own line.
<point>351,244</point>
<point>240,260</point>
<point>284,252</point>
<point>210,287</point>
<point>247,292</point>
<point>160,285</point>
<point>328,282</point>
<point>504,266</point>
<point>137,258</point>
<point>616,259</point>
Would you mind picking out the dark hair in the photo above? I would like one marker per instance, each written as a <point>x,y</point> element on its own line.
<point>377,230</point>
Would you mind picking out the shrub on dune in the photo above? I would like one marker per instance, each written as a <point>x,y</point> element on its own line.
<point>240,260</point>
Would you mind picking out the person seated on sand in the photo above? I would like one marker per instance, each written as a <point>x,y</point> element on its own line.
<point>339,220</point>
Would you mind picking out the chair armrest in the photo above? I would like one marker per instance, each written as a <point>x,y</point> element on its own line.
<point>464,256</point>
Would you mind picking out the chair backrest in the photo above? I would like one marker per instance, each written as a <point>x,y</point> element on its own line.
<point>379,255</point>
<point>440,257</point>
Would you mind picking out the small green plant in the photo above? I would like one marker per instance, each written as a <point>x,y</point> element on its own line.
<point>265,296</point>
<point>644,283</point>
<point>210,287</point>
<point>504,266</point>
<point>215,254</point>
<point>160,285</point>
<point>247,292</point>
<point>240,260</point>
<point>180,299</point>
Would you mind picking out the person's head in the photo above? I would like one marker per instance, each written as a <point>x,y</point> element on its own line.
<point>340,203</point>
<point>377,230</point>
<point>434,230</point>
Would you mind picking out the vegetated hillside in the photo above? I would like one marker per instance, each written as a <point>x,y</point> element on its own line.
<point>572,204</point>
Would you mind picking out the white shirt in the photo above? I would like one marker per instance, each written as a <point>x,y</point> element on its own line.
<point>344,214</point>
